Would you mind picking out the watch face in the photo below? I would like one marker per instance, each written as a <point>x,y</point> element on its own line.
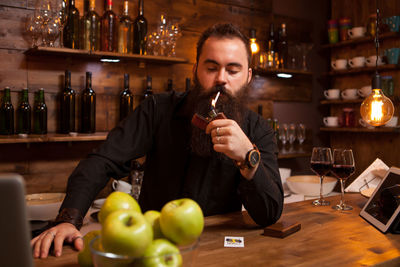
<point>254,158</point>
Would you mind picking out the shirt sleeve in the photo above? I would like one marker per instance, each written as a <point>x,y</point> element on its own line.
<point>262,196</point>
<point>128,141</point>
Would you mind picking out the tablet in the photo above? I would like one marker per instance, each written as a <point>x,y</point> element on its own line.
<point>383,206</point>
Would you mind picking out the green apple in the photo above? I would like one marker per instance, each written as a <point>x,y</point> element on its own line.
<point>153,217</point>
<point>117,201</point>
<point>84,256</point>
<point>126,232</point>
<point>160,253</point>
<point>182,221</point>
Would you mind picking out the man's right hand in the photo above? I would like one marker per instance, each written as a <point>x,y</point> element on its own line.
<point>58,234</point>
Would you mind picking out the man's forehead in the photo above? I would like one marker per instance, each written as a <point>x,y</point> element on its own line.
<point>217,47</point>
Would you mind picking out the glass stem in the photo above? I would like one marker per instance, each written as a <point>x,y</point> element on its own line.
<point>321,180</point>
<point>342,190</point>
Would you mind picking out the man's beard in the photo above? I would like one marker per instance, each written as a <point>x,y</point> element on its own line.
<point>199,101</point>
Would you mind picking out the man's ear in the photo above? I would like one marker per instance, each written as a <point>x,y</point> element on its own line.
<point>250,75</point>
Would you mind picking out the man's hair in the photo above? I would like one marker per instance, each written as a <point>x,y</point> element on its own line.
<point>226,30</point>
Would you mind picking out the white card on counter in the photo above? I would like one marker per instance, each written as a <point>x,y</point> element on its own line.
<point>234,241</point>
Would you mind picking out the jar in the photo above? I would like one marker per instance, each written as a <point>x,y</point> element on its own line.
<point>371,25</point>
<point>333,32</point>
<point>387,85</point>
<point>347,119</point>
<point>345,25</point>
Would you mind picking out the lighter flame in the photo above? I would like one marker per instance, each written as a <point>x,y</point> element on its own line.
<point>214,101</point>
<point>376,110</point>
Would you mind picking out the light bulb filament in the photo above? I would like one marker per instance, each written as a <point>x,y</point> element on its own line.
<point>254,46</point>
<point>376,110</point>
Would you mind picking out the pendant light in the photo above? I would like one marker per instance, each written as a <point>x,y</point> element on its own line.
<point>376,109</point>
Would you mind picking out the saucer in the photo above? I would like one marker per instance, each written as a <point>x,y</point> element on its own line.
<point>331,126</point>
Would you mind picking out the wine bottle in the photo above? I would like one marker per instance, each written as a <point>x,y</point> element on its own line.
<point>109,29</point>
<point>260,110</point>
<point>283,47</point>
<point>170,86</point>
<point>40,114</point>
<point>140,31</point>
<point>24,114</point>
<point>88,104</point>
<point>187,85</point>
<point>125,32</point>
<point>71,29</point>
<point>91,29</point>
<point>67,107</point>
<point>125,99</point>
<point>6,114</point>
<point>271,48</point>
<point>149,87</point>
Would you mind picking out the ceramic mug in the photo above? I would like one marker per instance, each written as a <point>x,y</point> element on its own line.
<point>392,55</point>
<point>331,121</point>
<point>121,186</point>
<point>365,91</point>
<point>349,93</point>
<point>363,123</point>
<point>356,32</point>
<point>357,62</point>
<point>371,61</point>
<point>339,64</point>
<point>393,23</point>
<point>392,122</point>
<point>332,93</point>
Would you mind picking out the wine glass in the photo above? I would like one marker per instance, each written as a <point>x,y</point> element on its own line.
<point>292,133</point>
<point>301,133</point>
<point>305,49</point>
<point>61,15</point>
<point>283,133</point>
<point>52,31</point>
<point>321,164</point>
<point>343,167</point>
<point>34,29</point>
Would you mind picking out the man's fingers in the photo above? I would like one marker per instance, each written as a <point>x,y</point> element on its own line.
<point>46,243</point>
<point>78,242</point>
<point>58,244</point>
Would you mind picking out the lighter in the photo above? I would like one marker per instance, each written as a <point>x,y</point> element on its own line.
<point>201,122</point>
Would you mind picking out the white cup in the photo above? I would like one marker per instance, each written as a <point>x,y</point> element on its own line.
<point>365,91</point>
<point>357,62</point>
<point>371,61</point>
<point>331,121</point>
<point>363,123</point>
<point>339,64</point>
<point>349,93</point>
<point>392,122</point>
<point>332,93</point>
<point>356,32</point>
<point>121,186</point>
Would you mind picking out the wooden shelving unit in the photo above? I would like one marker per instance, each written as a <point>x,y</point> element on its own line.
<point>97,55</point>
<point>260,71</point>
<point>362,129</point>
<point>386,67</point>
<point>361,40</point>
<point>342,101</point>
<point>52,137</point>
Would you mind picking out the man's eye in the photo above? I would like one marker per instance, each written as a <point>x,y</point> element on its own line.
<point>232,72</point>
<point>211,69</point>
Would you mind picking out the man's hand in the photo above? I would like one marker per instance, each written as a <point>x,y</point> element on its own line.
<point>59,233</point>
<point>228,138</point>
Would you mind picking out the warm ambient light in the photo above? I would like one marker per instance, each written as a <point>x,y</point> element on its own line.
<point>376,109</point>
<point>284,75</point>
<point>255,48</point>
<point>112,60</point>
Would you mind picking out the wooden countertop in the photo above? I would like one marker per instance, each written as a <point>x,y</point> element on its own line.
<point>327,238</point>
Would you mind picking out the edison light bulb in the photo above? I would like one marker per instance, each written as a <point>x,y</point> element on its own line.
<point>254,46</point>
<point>377,109</point>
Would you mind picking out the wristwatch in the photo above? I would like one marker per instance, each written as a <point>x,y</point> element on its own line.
<point>251,160</point>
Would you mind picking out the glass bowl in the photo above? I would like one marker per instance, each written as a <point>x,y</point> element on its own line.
<point>107,259</point>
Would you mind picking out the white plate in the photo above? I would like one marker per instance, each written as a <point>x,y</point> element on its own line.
<point>98,203</point>
<point>43,206</point>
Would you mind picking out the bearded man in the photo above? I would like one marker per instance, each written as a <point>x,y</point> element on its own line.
<point>230,164</point>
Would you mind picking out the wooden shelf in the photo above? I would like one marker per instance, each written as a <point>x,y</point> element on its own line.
<point>261,71</point>
<point>361,40</point>
<point>293,154</point>
<point>52,137</point>
<point>362,129</point>
<point>342,101</point>
<point>100,54</point>
<point>387,67</point>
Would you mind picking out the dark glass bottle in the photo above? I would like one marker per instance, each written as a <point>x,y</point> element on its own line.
<point>91,29</point>
<point>67,107</point>
<point>260,110</point>
<point>109,29</point>
<point>24,114</point>
<point>125,99</point>
<point>170,86</point>
<point>6,114</point>
<point>283,47</point>
<point>125,32</point>
<point>88,104</point>
<point>271,48</point>
<point>187,84</point>
<point>71,29</point>
<point>149,87</point>
<point>40,114</point>
<point>140,31</point>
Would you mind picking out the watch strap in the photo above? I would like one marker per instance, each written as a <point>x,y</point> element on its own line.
<point>245,164</point>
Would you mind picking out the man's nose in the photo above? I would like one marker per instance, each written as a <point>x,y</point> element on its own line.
<point>221,77</point>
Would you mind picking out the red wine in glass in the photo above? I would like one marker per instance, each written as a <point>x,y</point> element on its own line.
<point>343,171</point>
<point>321,163</point>
<point>321,168</point>
<point>343,167</point>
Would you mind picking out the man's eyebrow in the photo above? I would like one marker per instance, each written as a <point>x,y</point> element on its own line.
<point>233,64</point>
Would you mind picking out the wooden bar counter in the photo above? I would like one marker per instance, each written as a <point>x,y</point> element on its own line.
<point>327,238</point>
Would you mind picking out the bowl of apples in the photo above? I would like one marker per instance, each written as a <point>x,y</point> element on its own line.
<point>128,237</point>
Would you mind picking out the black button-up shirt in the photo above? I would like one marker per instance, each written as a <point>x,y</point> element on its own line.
<point>160,130</point>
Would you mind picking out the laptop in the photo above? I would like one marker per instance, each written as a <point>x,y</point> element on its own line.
<point>15,234</point>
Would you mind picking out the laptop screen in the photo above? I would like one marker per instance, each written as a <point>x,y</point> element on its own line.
<point>15,249</point>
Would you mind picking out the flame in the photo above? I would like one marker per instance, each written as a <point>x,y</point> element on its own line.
<point>214,101</point>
